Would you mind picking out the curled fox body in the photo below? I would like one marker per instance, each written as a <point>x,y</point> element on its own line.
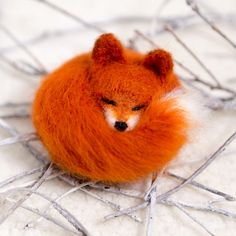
<point>109,114</point>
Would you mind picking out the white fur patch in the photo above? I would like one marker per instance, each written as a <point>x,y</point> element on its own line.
<point>173,94</point>
<point>132,122</point>
<point>109,115</point>
<point>190,101</point>
<point>193,103</point>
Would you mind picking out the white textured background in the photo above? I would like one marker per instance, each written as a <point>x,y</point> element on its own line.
<point>28,19</point>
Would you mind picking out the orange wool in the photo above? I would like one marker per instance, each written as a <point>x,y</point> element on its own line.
<point>77,105</point>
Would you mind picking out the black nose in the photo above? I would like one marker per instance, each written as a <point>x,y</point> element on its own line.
<point>120,125</point>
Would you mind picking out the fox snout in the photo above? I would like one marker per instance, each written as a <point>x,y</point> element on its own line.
<point>120,123</point>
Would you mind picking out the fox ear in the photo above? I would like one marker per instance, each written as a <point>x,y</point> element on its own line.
<point>160,61</point>
<point>107,49</point>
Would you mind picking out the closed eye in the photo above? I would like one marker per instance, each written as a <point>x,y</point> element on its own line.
<point>137,108</point>
<point>108,101</point>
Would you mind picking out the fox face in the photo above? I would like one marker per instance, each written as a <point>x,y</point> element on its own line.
<point>124,82</point>
<point>122,114</point>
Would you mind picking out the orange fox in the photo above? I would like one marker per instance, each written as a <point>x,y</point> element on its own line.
<point>111,114</point>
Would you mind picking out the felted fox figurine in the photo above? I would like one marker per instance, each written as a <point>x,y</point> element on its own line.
<point>110,114</point>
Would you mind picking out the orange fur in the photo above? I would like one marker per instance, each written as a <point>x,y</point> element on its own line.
<point>69,115</point>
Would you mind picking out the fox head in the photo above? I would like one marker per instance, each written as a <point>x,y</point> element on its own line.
<point>124,82</point>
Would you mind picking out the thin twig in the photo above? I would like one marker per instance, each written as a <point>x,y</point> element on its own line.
<point>198,185</point>
<point>154,21</point>
<point>150,217</point>
<point>153,185</point>
<point>19,139</point>
<point>27,185</point>
<point>187,48</point>
<point>127,211</point>
<point>22,67</point>
<point>193,218</point>
<point>34,187</point>
<point>20,176</point>
<point>45,216</point>
<point>150,196</point>
<point>16,115</point>
<point>23,47</point>
<point>11,130</point>
<point>72,190</point>
<point>196,9</point>
<point>113,205</point>
<point>199,208</point>
<point>66,214</point>
<point>14,105</point>
<point>112,189</point>
<point>72,16</point>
